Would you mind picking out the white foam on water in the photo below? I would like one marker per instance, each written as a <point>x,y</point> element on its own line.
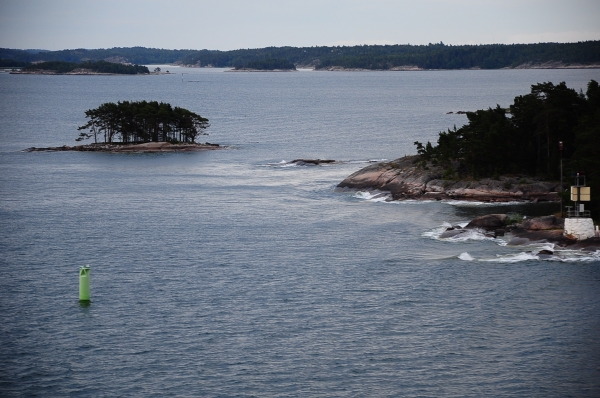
<point>575,256</point>
<point>282,164</point>
<point>566,256</point>
<point>470,234</point>
<point>513,258</point>
<point>464,235</point>
<point>468,203</point>
<point>365,161</point>
<point>373,196</point>
<point>436,232</point>
<point>465,257</point>
<point>376,196</point>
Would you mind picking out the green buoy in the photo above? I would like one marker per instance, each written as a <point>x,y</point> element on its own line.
<point>84,283</point>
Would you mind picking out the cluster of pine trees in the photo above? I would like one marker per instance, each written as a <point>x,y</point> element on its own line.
<point>530,138</point>
<point>142,121</point>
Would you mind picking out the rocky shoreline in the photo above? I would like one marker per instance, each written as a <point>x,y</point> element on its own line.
<point>548,229</point>
<point>145,147</point>
<point>406,178</point>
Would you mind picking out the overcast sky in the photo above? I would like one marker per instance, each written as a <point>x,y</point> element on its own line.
<point>233,24</point>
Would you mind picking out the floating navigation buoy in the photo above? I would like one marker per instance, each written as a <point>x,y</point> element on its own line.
<point>84,283</point>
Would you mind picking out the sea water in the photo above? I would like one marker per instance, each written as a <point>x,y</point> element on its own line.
<point>236,273</point>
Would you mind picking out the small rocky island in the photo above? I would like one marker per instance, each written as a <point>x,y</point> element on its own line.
<point>147,147</point>
<point>139,126</point>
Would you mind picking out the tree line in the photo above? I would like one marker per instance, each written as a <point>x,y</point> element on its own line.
<point>94,66</point>
<point>11,63</point>
<point>268,64</point>
<point>530,138</point>
<point>431,56</point>
<point>142,121</point>
<point>134,55</point>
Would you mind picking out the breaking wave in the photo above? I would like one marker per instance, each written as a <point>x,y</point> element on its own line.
<point>369,195</point>
<point>381,196</point>
<point>465,256</point>
<point>285,163</point>
<point>467,203</point>
<point>461,235</point>
<point>534,251</point>
<point>566,256</point>
<point>373,196</point>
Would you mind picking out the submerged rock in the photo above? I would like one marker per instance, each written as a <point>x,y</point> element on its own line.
<point>546,252</point>
<point>451,233</point>
<point>312,161</point>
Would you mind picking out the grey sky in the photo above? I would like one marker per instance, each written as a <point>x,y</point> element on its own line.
<point>233,24</point>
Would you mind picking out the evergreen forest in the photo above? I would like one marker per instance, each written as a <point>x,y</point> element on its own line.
<point>142,121</point>
<point>376,57</point>
<point>268,64</point>
<point>94,66</point>
<point>11,63</point>
<point>551,123</point>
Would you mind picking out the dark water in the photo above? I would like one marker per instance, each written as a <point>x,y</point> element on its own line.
<point>228,273</point>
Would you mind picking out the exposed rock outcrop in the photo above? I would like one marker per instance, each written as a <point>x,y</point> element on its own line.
<point>489,221</point>
<point>535,230</point>
<point>315,162</point>
<point>406,178</point>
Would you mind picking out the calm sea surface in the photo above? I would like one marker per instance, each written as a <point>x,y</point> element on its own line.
<point>232,273</point>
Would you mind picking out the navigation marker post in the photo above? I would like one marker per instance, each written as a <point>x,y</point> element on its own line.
<point>579,223</point>
<point>84,283</point>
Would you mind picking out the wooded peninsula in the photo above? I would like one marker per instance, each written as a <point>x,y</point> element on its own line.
<point>503,154</point>
<point>370,57</point>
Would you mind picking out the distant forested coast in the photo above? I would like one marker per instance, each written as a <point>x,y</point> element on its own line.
<point>267,64</point>
<point>370,57</point>
<point>95,67</point>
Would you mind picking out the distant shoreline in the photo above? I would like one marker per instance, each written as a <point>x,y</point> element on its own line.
<point>83,72</point>
<point>410,68</point>
<point>406,68</point>
<point>260,70</point>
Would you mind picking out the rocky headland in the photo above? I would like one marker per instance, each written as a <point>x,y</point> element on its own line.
<point>145,147</point>
<point>407,178</point>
